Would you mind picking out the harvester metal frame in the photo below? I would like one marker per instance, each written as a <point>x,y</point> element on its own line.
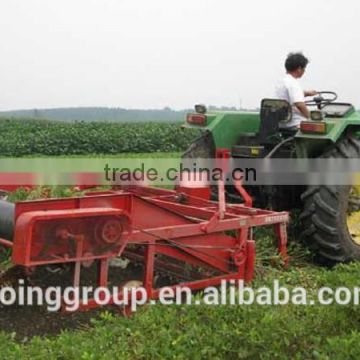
<point>214,237</point>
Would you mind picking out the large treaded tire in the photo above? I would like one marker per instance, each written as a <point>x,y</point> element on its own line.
<point>202,147</point>
<point>324,215</point>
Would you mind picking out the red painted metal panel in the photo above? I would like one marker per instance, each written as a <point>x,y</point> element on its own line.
<point>158,222</point>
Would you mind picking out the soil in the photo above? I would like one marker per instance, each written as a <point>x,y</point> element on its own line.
<point>29,321</point>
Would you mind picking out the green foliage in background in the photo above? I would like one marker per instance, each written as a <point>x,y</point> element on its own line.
<point>52,138</point>
<point>219,332</point>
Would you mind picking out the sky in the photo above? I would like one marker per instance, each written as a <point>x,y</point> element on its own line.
<point>156,53</point>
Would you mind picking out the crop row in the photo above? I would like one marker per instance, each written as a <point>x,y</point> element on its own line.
<point>52,138</point>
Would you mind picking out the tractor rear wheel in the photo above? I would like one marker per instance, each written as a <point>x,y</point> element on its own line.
<point>203,147</point>
<point>331,214</point>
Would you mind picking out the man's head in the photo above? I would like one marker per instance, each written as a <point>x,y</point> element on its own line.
<point>295,64</point>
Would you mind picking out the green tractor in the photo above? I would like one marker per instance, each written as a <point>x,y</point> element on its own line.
<point>329,217</point>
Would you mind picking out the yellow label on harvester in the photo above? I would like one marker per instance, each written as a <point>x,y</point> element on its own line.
<point>254,151</point>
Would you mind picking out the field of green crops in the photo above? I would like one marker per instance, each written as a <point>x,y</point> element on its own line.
<point>179,331</point>
<point>56,138</point>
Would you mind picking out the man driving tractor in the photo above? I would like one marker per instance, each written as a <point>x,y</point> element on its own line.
<point>289,89</point>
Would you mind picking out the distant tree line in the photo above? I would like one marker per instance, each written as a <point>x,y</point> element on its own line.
<point>99,114</point>
<point>107,114</point>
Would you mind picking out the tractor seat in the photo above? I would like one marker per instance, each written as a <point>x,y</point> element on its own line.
<point>273,112</point>
<point>288,132</point>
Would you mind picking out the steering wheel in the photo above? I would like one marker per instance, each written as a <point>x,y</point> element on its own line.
<point>320,101</point>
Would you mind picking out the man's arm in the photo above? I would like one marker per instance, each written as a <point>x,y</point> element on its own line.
<point>301,106</point>
<point>310,92</point>
<point>303,109</point>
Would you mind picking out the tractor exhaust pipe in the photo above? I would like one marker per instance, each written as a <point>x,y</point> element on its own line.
<point>7,220</point>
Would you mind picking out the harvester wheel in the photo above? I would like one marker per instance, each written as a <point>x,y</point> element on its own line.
<point>331,214</point>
